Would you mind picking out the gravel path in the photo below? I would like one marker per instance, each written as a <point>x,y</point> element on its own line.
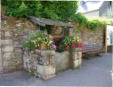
<point>94,72</point>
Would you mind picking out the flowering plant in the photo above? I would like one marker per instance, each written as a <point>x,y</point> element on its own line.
<point>34,40</point>
<point>72,42</point>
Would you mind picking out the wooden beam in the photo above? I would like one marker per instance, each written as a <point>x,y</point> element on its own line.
<point>106,38</point>
<point>44,21</point>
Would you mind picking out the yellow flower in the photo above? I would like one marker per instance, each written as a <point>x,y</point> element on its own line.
<point>50,42</point>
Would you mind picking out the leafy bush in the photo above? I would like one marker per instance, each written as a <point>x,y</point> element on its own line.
<point>83,21</point>
<point>94,24</point>
<point>58,10</point>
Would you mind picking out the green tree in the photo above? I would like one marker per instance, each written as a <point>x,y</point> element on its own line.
<point>58,10</point>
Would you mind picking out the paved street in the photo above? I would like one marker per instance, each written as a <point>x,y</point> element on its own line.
<point>94,72</point>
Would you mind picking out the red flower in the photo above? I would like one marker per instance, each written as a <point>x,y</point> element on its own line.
<point>73,45</point>
<point>67,47</point>
<point>78,45</point>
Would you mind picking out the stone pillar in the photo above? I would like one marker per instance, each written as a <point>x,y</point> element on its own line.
<point>71,32</point>
<point>42,64</point>
<point>76,57</point>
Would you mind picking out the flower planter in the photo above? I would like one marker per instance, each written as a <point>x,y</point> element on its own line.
<point>41,64</point>
<point>42,47</point>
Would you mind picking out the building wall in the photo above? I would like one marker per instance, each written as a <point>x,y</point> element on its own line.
<point>92,14</point>
<point>106,9</point>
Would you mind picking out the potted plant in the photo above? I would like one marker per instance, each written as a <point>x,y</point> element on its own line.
<point>36,41</point>
<point>72,42</point>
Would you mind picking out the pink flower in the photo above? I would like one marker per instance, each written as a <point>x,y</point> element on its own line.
<point>25,36</point>
<point>32,52</point>
<point>54,46</point>
<point>36,50</point>
<point>67,47</point>
<point>73,45</point>
<point>25,52</point>
<point>82,45</point>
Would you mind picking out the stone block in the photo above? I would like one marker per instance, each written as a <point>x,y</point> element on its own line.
<point>79,54</point>
<point>18,55</point>
<point>8,56</point>
<point>46,72</point>
<point>75,63</point>
<point>0,50</point>
<point>8,49</point>
<point>0,43</point>
<point>1,69</point>
<point>18,50</point>
<point>74,55</point>
<point>6,42</point>
<point>7,34</point>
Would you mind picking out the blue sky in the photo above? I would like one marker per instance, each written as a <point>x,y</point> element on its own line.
<point>89,5</point>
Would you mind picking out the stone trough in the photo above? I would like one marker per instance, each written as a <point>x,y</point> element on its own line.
<point>47,63</point>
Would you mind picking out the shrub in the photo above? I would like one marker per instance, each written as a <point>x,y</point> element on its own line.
<point>58,10</point>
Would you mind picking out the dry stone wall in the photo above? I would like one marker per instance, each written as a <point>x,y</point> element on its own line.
<point>11,53</point>
<point>88,36</point>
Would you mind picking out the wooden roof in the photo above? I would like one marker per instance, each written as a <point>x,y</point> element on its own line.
<point>44,22</point>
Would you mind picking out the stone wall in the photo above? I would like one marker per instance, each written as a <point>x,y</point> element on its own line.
<point>11,53</point>
<point>62,61</point>
<point>88,36</point>
<point>11,35</point>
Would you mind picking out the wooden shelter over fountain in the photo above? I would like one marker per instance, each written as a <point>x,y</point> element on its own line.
<point>57,29</point>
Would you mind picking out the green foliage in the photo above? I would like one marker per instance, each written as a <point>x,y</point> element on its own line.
<point>74,68</point>
<point>31,73</point>
<point>83,21</point>
<point>3,2</point>
<point>58,10</point>
<point>94,24</point>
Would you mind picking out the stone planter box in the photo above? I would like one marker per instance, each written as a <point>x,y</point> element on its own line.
<point>41,64</point>
<point>46,63</point>
<point>76,57</point>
